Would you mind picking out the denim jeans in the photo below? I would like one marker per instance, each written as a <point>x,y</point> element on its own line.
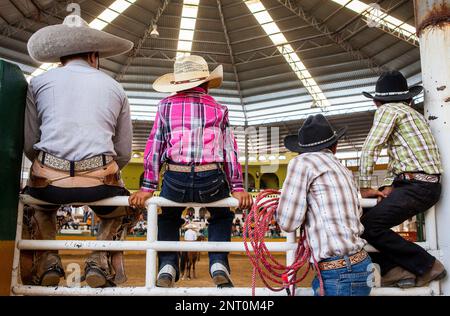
<point>200,187</point>
<point>352,280</point>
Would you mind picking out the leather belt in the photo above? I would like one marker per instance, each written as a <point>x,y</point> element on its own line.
<point>73,166</point>
<point>188,168</point>
<point>424,177</point>
<point>341,263</point>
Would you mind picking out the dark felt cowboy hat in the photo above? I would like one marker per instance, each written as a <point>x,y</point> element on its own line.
<point>392,86</point>
<point>315,134</point>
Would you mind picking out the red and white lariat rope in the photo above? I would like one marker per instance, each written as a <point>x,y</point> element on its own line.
<point>264,264</point>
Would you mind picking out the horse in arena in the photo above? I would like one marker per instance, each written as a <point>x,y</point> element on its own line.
<point>188,261</point>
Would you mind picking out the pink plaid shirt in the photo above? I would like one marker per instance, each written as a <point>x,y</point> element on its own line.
<point>191,128</point>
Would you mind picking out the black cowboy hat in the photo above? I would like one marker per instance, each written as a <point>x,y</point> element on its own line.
<point>315,134</point>
<point>392,86</point>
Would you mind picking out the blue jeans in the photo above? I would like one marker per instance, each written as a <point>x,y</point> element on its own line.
<point>200,187</point>
<point>352,280</point>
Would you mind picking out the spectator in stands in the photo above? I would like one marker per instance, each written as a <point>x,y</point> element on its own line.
<point>191,232</point>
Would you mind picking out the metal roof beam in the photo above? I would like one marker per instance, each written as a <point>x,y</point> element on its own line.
<point>23,24</point>
<point>336,37</point>
<point>133,53</point>
<point>230,50</point>
<point>385,22</point>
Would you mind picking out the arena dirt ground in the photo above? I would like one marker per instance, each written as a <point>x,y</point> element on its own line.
<point>241,269</point>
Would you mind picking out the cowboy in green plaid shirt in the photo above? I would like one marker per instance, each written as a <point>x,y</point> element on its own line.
<point>411,146</point>
<point>411,186</point>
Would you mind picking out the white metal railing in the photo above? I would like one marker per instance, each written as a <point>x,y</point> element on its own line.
<point>151,246</point>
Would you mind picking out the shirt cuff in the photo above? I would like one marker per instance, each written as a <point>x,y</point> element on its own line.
<point>237,190</point>
<point>144,189</point>
<point>388,182</point>
<point>148,186</point>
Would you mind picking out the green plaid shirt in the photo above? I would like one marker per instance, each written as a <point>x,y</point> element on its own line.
<point>410,144</point>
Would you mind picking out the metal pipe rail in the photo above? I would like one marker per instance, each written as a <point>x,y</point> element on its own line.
<point>151,246</point>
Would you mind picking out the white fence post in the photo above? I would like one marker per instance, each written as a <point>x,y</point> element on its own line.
<point>15,274</point>
<point>152,234</point>
<point>151,246</point>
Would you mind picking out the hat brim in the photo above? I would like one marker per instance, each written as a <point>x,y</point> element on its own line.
<point>291,142</point>
<point>51,43</point>
<point>412,92</point>
<point>165,83</point>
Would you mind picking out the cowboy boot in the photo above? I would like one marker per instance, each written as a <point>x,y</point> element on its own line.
<point>99,269</point>
<point>47,267</point>
<point>27,256</point>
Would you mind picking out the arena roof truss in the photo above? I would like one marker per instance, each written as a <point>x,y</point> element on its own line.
<point>283,59</point>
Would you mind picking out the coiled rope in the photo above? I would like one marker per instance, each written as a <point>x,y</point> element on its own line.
<point>284,277</point>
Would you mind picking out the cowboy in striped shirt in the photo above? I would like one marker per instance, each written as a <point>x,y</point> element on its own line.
<point>412,184</point>
<point>192,135</point>
<point>320,194</point>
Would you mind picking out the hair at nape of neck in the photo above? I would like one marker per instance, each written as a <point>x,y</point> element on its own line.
<point>89,57</point>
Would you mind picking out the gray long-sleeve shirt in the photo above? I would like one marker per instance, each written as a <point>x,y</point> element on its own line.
<point>76,112</point>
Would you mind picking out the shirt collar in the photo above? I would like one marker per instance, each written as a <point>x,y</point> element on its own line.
<point>78,62</point>
<point>195,89</point>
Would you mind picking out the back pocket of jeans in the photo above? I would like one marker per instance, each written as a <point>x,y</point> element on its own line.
<point>216,192</point>
<point>172,192</point>
<point>360,288</point>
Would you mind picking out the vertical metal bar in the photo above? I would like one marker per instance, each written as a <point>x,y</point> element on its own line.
<point>430,229</point>
<point>246,157</point>
<point>16,261</point>
<point>290,254</point>
<point>433,28</point>
<point>152,234</point>
<point>92,223</point>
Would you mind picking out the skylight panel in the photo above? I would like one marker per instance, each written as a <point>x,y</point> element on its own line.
<point>278,39</point>
<point>186,35</point>
<point>108,15</point>
<point>272,30</point>
<point>384,19</point>
<point>120,5</point>
<point>189,11</point>
<point>255,6</point>
<point>192,2</point>
<point>187,27</point>
<point>184,46</point>
<point>98,24</point>
<point>263,17</point>
<point>187,24</point>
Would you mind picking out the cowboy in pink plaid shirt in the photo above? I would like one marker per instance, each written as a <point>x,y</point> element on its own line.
<point>192,134</point>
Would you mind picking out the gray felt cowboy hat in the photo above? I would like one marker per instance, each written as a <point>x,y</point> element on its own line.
<point>189,72</point>
<point>74,36</point>
<point>315,134</point>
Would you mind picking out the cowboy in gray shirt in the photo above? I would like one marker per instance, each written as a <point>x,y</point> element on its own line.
<point>78,134</point>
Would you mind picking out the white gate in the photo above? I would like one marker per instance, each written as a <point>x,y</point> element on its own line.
<point>151,246</point>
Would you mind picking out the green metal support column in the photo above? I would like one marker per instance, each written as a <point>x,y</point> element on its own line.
<point>13,88</point>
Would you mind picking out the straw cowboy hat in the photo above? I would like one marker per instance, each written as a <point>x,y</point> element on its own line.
<point>315,134</point>
<point>189,72</point>
<point>74,36</point>
<point>392,86</point>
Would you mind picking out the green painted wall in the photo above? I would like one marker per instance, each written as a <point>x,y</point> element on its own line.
<point>132,173</point>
